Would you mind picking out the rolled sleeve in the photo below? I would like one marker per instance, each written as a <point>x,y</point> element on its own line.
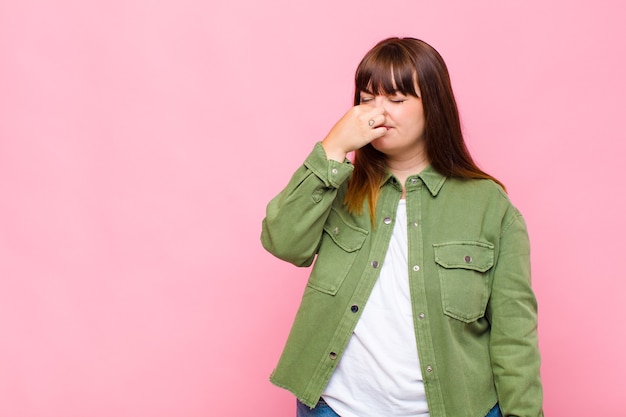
<point>295,218</point>
<point>330,172</point>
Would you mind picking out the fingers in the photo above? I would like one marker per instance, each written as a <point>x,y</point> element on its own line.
<point>379,132</point>
<point>373,114</point>
<point>358,127</point>
<point>374,134</point>
<point>376,121</point>
<point>372,123</point>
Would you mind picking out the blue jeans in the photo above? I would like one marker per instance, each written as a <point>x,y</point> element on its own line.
<point>323,410</point>
<point>495,412</point>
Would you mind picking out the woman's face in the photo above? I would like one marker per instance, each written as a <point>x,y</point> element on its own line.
<point>404,120</point>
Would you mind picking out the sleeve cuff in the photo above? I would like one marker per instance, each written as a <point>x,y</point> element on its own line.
<point>330,172</point>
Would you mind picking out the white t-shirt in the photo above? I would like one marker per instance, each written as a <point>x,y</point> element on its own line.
<point>379,373</point>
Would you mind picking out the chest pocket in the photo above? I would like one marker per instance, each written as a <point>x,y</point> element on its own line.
<point>464,275</point>
<point>340,244</point>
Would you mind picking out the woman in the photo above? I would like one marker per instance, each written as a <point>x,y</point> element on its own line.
<point>419,302</point>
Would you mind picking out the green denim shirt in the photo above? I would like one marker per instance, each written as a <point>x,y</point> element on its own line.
<point>475,314</point>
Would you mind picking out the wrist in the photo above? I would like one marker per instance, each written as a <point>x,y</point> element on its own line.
<point>332,152</point>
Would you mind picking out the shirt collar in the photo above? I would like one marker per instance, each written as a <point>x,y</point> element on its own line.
<point>429,176</point>
<point>433,179</point>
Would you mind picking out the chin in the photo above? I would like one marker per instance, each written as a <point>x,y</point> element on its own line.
<point>382,145</point>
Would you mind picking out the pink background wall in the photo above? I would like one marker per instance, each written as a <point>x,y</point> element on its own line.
<point>140,141</point>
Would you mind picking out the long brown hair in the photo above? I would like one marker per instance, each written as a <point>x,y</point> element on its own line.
<point>393,65</point>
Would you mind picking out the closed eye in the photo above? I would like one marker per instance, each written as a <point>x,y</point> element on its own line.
<point>397,97</point>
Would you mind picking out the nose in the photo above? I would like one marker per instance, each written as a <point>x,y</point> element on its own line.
<point>381,101</point>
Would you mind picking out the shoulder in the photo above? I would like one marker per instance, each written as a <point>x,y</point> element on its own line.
<point>471,186</point>
<point>483,193</point>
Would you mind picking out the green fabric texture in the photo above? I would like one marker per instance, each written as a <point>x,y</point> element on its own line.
<point>475,314</point>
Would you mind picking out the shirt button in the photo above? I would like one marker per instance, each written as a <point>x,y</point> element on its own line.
<point>468,259</point>
<point>414,224</point>
<point>413,180</point>
<point>354,308</point>
<point>336,230</point>
<point>332,355</point>
<point>387,220</point>
<point>416,268</point>
<point>375,264</point>
<point>421,316</point>
<point>334,171</point>
<point>429,368</point>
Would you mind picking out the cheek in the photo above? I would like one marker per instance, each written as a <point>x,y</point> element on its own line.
<point>417,125</point>
<point>418,119</point>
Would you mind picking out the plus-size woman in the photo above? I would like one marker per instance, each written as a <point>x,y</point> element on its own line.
<point>419,302</point>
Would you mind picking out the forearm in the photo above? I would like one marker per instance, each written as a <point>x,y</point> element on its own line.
<point>513,315</point>
<point>295,218</point>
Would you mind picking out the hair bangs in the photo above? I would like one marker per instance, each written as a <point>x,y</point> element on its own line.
<point>387,70</point>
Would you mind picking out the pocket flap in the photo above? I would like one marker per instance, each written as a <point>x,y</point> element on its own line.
<point>348,237</point>
<point>474,255</point>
